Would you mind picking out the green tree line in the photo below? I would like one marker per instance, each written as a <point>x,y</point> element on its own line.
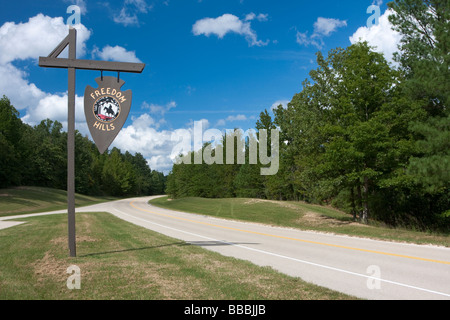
<point>37,156</point>
<point>368,137</point>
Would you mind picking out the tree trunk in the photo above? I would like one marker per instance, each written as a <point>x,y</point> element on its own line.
<point>358,190</point>
<point>352,198</point>
<point>365,212</point>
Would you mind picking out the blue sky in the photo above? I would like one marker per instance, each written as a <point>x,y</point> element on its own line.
<point>219,61</point>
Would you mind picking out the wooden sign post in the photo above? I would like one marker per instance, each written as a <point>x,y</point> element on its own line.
<point>71,64</point>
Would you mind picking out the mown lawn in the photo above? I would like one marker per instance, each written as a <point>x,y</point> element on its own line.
<point>299,215</point>
<point>22,200</point>
<point>119,260</point>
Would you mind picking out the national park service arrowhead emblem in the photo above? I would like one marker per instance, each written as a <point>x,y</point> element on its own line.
<point>106,109</point>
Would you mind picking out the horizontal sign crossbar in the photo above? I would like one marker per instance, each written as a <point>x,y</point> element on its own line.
<point>91,64</point>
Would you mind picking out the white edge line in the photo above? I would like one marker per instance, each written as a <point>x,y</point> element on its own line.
<point>289,258</point>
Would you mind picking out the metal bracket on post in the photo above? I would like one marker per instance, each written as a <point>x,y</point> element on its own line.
<point>71,64</point>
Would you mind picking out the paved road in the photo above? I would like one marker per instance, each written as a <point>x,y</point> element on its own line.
<point>364,268</point>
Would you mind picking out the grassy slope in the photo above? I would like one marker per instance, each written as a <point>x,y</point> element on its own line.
<point>296,215</point>
<point>119,260</point>
<point>23,200</point>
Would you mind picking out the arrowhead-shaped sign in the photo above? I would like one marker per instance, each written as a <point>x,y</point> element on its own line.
<point>106,109</point>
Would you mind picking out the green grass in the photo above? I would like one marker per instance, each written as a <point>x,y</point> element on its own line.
<point>22,200</point>
<point>119,260</point>
<point>297,215</point>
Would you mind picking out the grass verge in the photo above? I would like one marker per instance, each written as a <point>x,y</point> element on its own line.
<point>297,215</point>
<point>22,200</point>
<point>119,260</point>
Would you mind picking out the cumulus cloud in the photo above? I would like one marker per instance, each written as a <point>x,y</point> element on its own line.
<point>229,23</point>
<point>29,40</point>
<point>116,53</point>
<point>381,36</point>
<point>159,147</point>
<point>141,136</point>
<point>158,111</point>
<point>14,84</point>
<point>323,27</point>
<point>54,107</point>
<point>283,103</point>
<point>37,37</point>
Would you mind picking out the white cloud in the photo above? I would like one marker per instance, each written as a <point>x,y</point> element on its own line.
<point>158,109</point>
<point>260,17</point>
<point>140,5</point>
<point>17,88</point>
<point>29,40</point>
<point>116,53</point>
<point>221,123</point>
<point>125,18</point>
<point>54,107</point>
<point>225,24</point>
<point>204,123</point>
<point>239,117</point>
<point>250,16</point>
<point>37,37</point>
<point>128,13</point>
<point>159,147</point>
<point>283,103</point>
<point>141,136</point>
<point>323,27</point>
<point>380,36</point>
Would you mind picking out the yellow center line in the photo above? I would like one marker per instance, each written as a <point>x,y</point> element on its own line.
<point>289,238</point>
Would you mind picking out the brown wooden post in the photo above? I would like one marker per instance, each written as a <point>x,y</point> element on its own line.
<point>71,146</point>
<point>71,64</point>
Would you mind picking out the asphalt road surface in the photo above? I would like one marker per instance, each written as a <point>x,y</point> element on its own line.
<point>363,268</point>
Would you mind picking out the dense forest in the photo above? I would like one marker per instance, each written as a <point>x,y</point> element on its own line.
<point>363,135</point>
<point>37,156</point>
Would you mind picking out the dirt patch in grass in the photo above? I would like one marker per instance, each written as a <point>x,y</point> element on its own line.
<point>315,219</point>
<point>278,203</point>
<point>50,267</point>
<point>79,239</point>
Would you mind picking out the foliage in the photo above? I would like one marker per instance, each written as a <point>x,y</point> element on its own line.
<point>362,134</point>
<point>37,156</point>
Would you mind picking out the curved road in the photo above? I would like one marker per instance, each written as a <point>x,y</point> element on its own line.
<point>360,267</point>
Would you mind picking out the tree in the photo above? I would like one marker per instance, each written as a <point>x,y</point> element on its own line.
<point>424,57</point>
<point>46,155</point>
<point>118,177</point>
<point>142,172</point>
<point>11,131</point>
<point>342,130</point>
<point>425,44</point>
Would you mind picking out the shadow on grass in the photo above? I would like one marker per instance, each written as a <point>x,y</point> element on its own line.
<point>179,244</point>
